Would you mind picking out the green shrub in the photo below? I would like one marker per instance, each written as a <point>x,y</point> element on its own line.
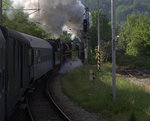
<point>133,118</point>
<point>133,62</point>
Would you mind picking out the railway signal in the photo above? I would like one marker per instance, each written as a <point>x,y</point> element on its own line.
<point>85,25</point>
<point>84,35</point>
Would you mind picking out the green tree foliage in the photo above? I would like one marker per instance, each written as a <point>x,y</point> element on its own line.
<point>65,36</point>
<point>19,22</point>
<point>6,4</point>
<point>105,35</point>
<point>135,42</point>
<point>124,7</point>
<point>135,36</point>
<point>105,31</point>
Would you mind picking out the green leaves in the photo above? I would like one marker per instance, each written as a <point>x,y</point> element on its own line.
<point>105,31</point>
<point>105,34</point>
<point>135,35</point>
<point>65,36</point>
<point>19,22</point>
<point>123,8</point>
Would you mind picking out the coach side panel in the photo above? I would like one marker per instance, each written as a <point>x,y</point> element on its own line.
<point>2,77</point>
<point>43,61</point>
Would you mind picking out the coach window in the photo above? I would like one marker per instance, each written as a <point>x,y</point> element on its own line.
<point>36,53</point>
<point>14,55</point>
<point>26,56</point>
<point>30,56</point>
<point>39,52</point>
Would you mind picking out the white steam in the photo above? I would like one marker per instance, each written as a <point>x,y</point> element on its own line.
<point>55,14</point>
<point>68,66</point>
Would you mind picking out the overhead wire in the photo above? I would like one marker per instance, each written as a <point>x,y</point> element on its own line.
<point>14,9</point>
<point>20,14</point>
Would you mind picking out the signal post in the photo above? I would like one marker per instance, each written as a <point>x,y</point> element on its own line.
<point>85,36</point>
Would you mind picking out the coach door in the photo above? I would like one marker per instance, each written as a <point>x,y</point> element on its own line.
<point>2,77</point>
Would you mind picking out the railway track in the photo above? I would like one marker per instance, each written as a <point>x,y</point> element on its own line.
<point>38,105</point>
<point>20,112</point>
<point>41,105</point>
<point>136,74</point>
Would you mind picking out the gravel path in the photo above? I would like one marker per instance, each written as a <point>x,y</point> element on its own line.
<point>75,112</point>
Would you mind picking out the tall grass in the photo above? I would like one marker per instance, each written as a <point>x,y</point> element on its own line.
<point>96,95</point>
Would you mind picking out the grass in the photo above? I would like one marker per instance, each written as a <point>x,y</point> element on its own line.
<point>95,96</point>
<point>133,62</point>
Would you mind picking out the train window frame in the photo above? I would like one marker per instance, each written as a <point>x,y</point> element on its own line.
<point>39,52</point>
<point>18,57</point>
<point>30,56</point>
<point>26,56</point>
<point>36,52</point>
<point>23,56</point>
<point>14,55</point>
<point>39,60</point>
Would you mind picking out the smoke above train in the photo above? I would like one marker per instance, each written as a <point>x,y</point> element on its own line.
<point>55,15</point>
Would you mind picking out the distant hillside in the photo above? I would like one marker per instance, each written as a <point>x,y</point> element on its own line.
<point>124,7</point>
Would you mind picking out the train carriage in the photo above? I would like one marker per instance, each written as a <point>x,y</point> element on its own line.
<point>26,58</point>
<point>23,60</point>
<point>2,74</point>
<point>40,57</point>
<point>16,67</point>
<point>56,45</point>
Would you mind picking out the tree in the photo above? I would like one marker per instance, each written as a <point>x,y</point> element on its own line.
<point>105,29</point>
<point>65,36</point>
<point>135,36</point>
<point>105,33</point>
<point>20,22</point>
<point>124,8</point>
<point>126,32</point>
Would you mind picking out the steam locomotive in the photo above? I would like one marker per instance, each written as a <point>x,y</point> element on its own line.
<point>24,59</point>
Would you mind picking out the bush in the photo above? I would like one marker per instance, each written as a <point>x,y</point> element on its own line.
<point>132,118</point>
<point>133,62</point>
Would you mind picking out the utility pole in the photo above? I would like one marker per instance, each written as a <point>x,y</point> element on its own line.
<point>87,39</point>
<point>98,26</point>
<point>113,20</point>
<point>98,35</point>
<point>1,13</point>
<point>85,34</point>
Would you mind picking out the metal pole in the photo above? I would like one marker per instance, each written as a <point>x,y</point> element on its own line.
<point>38,5</point>
<point>87,16</point>
<point>1,12</point>
<point>86,39</point>
<point>113,15</point>
<point>98,26</point>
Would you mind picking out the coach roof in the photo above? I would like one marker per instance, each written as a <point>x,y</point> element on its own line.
<point>36,42</point>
